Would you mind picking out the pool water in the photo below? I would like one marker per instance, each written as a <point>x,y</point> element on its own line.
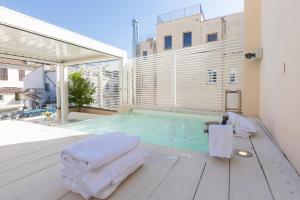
<point>184,131</point>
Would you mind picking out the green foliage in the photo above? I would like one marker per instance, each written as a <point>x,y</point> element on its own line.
<point>81,90</point>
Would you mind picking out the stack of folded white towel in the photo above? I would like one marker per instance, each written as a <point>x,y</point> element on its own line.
<point>96,166</point>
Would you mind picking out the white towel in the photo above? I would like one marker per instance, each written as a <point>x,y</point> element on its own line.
<point>72,184</point>
<point>242,126</point>
<point>96,151</point>
<point>98,182</point>
<point>220,140</point>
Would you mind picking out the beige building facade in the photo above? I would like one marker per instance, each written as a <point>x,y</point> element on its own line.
<point>189,31</point>
<point>272,84</point>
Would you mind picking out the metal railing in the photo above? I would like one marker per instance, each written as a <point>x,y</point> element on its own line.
<point>180,13</point>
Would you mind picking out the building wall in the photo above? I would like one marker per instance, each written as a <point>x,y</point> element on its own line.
<point>13,81</point>
<point>176,28</point>
<point>233,27</point>
<point>227,27</point>
<point>279,74</point>
<point>51,94</point>
<point>250,94</point>
<point>148,45</point>
<point>274,81</point>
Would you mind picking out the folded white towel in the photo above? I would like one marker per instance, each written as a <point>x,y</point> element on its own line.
<point>220,140</point>
<point>96,151</point>
<point>97,183</point>
<point>242,126</point>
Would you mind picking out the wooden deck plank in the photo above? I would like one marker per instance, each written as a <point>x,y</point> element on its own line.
<point>29,159</point>
<point>143,182</point>
<point>185,174</point>
<point>72,196</point>
<point>282,178</point>
<point>19,150</point>
<point>51,190</point>
<point>28,183</point>
<point>19,173</point>
<point>214,184</point>
<point>247,180</point>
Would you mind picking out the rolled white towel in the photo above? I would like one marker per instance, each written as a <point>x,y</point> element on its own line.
<point>101,182</point>
<point>96,151</point>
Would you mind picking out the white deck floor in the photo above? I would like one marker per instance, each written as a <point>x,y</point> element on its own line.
<point>29,169</point>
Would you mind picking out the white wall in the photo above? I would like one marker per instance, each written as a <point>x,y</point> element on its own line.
<point>35,79</point>
<point>52,93</point>
<point>13,81</point>
<point>13,77</point>
<point>279,74</point>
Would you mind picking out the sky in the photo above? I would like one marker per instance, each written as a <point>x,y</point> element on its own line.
<point>109,21</point>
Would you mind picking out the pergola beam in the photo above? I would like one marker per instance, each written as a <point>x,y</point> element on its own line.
<point>29,59</point>
<point>90,60</point>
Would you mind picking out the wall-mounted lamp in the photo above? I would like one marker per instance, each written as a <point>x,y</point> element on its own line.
<point>257,55</point>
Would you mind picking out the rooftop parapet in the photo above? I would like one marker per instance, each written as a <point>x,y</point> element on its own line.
<point>180,13</point>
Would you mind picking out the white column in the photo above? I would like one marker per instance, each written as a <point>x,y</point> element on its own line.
<point>58,98</point>
<point>63,80</point>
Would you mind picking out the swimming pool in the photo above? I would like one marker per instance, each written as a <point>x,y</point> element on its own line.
<point>184,131</point>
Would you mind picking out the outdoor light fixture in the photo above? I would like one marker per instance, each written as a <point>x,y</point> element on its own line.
<point>256,55</point>
<point>243,153</point>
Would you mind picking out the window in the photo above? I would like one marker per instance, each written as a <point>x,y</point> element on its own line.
<point>232,77</point>
<point>168,42</point>
<point>212,37</point>
<point>187,39</point>
<point>1,98</point>
<point>21,75</point>
<point>211,76</point>
<point>17,96</point>
<point>47,87</point>
<point>145,53</point>
<point>3,74</point>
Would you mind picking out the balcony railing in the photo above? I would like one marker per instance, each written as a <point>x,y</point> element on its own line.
<point>181,13</point>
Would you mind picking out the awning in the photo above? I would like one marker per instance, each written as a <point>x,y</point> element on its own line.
<point>27,38</point>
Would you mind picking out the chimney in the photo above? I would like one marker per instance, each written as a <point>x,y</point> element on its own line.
<point>135,37</point>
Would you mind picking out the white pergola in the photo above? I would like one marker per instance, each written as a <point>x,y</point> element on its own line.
<point>26,38</point>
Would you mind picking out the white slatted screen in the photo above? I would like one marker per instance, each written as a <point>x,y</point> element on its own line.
<point>193,78</point>
<point>105,77</point>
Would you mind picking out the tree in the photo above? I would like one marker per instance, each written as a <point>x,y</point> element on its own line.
<point>81,89</point>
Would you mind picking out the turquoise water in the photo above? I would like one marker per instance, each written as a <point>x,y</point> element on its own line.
<point>184,131</point>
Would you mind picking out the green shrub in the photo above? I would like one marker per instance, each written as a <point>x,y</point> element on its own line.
<point>81,89</point>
